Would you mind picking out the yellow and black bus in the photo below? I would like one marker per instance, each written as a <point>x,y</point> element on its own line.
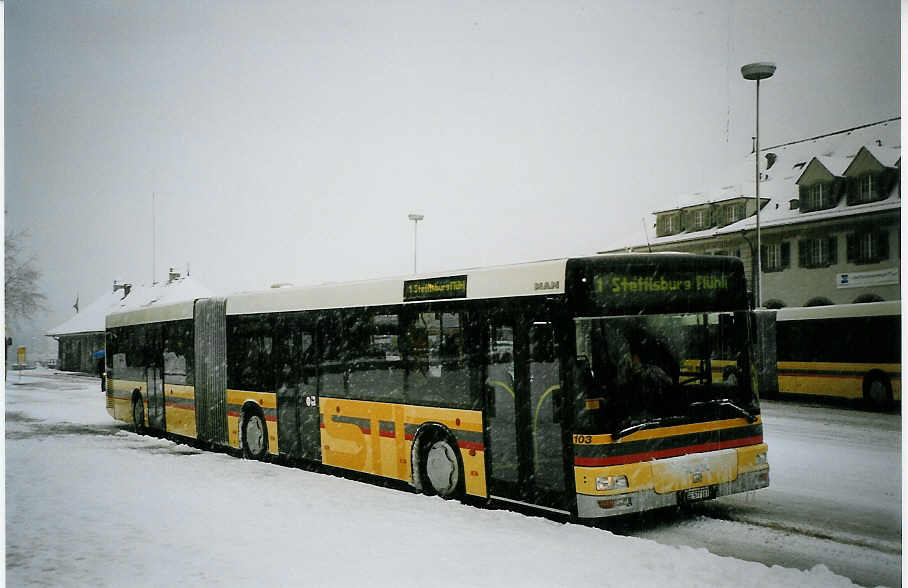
<point>843,351</point>
<point>578,386</point>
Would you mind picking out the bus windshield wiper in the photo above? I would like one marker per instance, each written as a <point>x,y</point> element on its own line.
<point>725,402</point>
<point>650,424</point>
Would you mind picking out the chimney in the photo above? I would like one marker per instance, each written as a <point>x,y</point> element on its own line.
<point>173,276</point>
<point>125,287</point>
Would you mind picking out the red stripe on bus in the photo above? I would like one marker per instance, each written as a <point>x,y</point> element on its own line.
<point>471,445</point>
<point>800,375</point>
<point>649,455</point>
<point>231,413</point>
<point>182,406</point>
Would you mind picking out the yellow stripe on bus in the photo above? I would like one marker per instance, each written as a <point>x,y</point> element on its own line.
<point>606,439</point>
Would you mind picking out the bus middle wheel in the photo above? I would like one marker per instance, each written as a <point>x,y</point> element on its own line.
<point>255,436</point>
<point>877,391</point>
<point>138,414</point>
<point>440,467</point>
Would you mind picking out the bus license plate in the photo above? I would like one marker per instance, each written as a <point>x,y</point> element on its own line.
<point>695,494</point>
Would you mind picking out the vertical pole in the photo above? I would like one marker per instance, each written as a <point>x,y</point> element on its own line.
<point>415,225</point>
<point>154,269</point>
<point>759,283</point>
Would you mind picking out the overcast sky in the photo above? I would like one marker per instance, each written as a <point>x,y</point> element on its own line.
<point>287,141</point>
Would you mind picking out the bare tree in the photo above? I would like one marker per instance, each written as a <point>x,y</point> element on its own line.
<point>24,299</point>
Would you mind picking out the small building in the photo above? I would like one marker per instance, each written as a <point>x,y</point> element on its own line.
<point>81,338</point>
<point>830,219</point>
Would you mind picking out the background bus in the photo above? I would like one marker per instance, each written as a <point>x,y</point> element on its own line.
<point>846,351</point>
<point>579,386</point>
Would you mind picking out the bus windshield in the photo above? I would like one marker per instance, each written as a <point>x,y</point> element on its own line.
<point>636,372</point>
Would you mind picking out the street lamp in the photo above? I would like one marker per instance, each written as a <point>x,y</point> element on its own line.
<point>758,71</point>
<point>415,218</point>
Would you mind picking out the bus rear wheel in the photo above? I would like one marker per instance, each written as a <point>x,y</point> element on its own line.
<point>255,437</point>
<point>877,391</point>
<point>138,415</point>
<point>442,472</point>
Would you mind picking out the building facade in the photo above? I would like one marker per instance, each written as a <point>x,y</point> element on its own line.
<point>830,219</point>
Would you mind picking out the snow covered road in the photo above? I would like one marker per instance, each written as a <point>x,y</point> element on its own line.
<point>90,503</point>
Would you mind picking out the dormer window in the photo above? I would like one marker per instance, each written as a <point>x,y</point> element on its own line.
<point>866,188</point>
<point>668,224</point>
<point>700,219</point>
<point>734,213</point>
<point>814,198</point>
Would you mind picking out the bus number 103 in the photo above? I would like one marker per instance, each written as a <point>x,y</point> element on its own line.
<point>583,439</point>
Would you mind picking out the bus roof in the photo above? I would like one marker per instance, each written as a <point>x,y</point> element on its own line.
<point>833,311</point>
<point>525,279</point>
<point>153,314</point>
<point>539,278</point>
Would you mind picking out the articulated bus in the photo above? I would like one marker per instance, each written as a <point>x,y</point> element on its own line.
<point>844,351</point>
<point>582,387</point>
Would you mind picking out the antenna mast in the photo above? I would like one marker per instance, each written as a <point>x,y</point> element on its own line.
<point>154,269</point>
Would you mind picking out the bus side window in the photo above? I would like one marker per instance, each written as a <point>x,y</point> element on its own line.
<point>438,367</point>
<point>249,359</point>
<point>332,366</point>
<point>178,353</point>
<point>375,361</point>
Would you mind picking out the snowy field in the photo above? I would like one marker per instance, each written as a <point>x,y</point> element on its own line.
<point>90,503</point>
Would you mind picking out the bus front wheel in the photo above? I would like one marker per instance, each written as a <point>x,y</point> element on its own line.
<point>877,391</point>
<point>440,467</point>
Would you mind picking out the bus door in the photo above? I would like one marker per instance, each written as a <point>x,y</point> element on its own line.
<point>295,382</point>
<point>525,441</point>
<point>154,380</point>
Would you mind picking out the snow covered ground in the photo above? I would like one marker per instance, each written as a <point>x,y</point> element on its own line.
<point>90,503</point>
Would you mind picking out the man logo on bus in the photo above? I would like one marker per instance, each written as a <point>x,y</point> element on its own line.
<point>547,285</point>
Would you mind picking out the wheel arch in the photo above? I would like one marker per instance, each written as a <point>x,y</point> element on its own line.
<point>870,377</point>
<point>251,407</point>
<point>426,433</point>
<point>135,397</point>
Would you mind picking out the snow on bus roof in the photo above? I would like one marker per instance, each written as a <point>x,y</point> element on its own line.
<point>830,311</point>
<point>172,300</point>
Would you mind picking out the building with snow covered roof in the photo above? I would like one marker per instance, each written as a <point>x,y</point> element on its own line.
<point>829,219</point>
<point>81,338</point>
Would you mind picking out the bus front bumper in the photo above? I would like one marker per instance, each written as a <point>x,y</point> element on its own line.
<point>589,507</point>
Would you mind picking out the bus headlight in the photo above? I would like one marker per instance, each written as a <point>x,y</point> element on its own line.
<point>612,482</point>
<point>760,458</point>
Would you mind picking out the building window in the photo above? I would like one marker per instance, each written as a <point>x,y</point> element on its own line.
<point>817,196</point>
<point>868,246</point>
<point>734,213</point>
<point>818,252</point>
<point>699,219</point>
<point>867,187</point>
<point>667,224</point>
<point>814,200</point>
<point>775,257</point>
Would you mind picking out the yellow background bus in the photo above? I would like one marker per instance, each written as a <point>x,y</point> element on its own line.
<point>844,351</point>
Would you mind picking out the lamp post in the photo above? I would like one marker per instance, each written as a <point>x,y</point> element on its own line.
<point>415,218</point>
<point>758,71</point>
